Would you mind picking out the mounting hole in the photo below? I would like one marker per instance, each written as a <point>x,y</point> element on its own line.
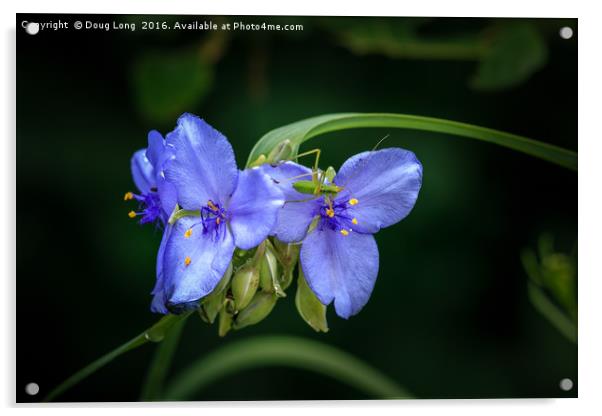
<point>566,32</point>
<point>32,389</point>
<point>32,28</point>
<point>566,384</point>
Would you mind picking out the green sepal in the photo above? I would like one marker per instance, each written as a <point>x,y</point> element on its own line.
<point>213,303</point>
<point>269,276</point>
<point>310,308</point>
<point>257,310</point>
<point>244,285</point>
<point>225,322</point>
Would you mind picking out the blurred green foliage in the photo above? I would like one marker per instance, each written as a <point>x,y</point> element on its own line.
<point>168,82</point>
<point>516,52</point>
<point>553,285</point>
<point>507,53</point>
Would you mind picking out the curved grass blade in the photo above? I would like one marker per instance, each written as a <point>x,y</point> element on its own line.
<point>303,130</point>
<point>155,333</point>
<point>155,379</point>
<point>283,351</point>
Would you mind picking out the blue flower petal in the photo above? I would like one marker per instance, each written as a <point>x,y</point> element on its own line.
<point>203,167</point>
<point>142,171</point>
<point>156,148</point>
<point>159,295</point>
<point>253,208</point>
<point>168,196</point>
<point>343,268</point>
<point>299,209</point>
<point>193,265</point>
<point>284,175</point>
<point>294,219</point>
<point>385,184</point>
<point>159,154</point>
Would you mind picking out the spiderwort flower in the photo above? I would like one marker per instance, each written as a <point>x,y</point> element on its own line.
<point>339,255</point>
<point>234,209</point>
<point>157,199</point>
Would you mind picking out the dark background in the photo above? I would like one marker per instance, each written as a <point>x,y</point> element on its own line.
<point>449,316</point>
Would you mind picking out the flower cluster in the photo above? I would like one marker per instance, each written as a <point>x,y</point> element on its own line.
<point>232,238</point>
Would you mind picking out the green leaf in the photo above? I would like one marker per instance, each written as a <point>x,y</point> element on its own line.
<point>303,130</point>
<point>310,308</point>
<point>166,84</point>
<point>517,52</point>
<point>283,351</point>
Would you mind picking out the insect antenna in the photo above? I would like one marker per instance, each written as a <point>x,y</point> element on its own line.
<point>365,160</point>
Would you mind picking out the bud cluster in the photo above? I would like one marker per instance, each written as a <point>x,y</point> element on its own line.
<point>254,282</point>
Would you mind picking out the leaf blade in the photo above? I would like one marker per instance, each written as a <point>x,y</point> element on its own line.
<point>304,130</point>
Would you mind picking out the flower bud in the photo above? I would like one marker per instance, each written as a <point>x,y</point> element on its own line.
<point>244,285</point>
<point>225,322</point>
<point>269,276</point>
<point>259,308</point>
<point>211,307</point>
<point>213,303</point>
<point>289,255</point>
<point>310,308</point>
<point>283,151</point>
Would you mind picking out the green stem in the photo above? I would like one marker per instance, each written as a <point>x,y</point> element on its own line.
<point>153,385</point>
<point>156,333</point>
<point>283,351</point>
<point>303,130</point>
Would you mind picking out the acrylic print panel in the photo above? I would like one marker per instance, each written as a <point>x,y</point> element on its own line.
<point>291,208</point>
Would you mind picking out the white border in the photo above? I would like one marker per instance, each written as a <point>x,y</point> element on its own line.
<point>590,186</point>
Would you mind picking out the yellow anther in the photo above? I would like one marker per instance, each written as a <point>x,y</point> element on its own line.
<point>218,220</point>
<point>211,205</point>
<point>330,212</point>
<point>187,261</point>
<point>354,221</point>
<point>353,201</point>
<point>188,233</point>
<point>132,214</point>
<point>128,196</point>
<point>345,232</point>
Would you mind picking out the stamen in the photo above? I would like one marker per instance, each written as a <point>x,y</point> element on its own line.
<point>218,220</point>
<point>211,205</point>
<point>187,261</point>
<point>345,232</point>
<point>128,196</point>
<point>330,212</point>
<point>354,221</point>
<point>353,201</point>
<point>132,214</point>
<point>188,233</point>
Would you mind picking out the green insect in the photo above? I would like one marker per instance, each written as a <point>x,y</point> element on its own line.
<point>321,181</point>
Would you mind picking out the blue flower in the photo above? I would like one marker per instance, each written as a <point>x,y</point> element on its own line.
<point>235,209</point>
<point>157,199</point>
<point>339,255</point>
